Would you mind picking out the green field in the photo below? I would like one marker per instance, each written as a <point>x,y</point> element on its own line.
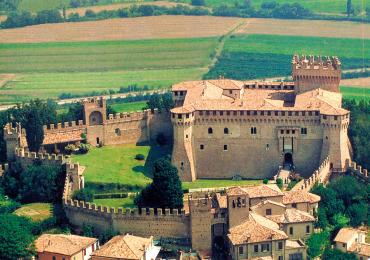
<point>355,93</point>
<point>35,211</point>
<point>117,203</point>
<point>129,107</point>
<point>317,6</point>
<point>49,69</point>
<point>263,56</point>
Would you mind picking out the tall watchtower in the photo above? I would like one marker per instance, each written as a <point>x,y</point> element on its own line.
<point>94,118</point>
<point>12,137</point>
<point>200,205</point>
<point>237,205</point>
<point>310,73</point>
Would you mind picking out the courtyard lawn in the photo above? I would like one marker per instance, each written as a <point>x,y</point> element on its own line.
<point>35,211</point>
<point>110,166</point>
<point>116,203</point>
<point>202,184</point>
<point>129,107</point>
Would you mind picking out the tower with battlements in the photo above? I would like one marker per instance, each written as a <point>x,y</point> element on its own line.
<point>316,72</point>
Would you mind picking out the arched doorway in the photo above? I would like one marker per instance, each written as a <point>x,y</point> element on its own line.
<point>96,118</point>
<point>288,159</point>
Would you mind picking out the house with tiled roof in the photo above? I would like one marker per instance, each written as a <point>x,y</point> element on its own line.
<point>304,201</point>
<point>353,241</point>
<point>65,247</point>
<point>127,247</point>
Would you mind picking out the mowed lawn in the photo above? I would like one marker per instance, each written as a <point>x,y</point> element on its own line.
<point>35,211</point>
<point>49,69</point>
<point>264,56</point>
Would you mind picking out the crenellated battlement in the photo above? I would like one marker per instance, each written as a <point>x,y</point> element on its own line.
<point>357,170</point>
<point>316,63</point>
<point>10,131</point>
<point>128,212</point>
<point>65,126</point>
<point>27,158</point>
<point>320,175</point>
<point>94,101</point>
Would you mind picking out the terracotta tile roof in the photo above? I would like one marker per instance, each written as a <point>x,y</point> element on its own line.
<point>63,137</point>
<point>62,244</point>
<point>360,248</point>
<point>255,229</point>
<point>262,258</point>
<point>345,234</point>
<point>299,196</point>
<point>292,216</point>
<point>234,191</point>
<point>124,247</point>
<point>208,95</point>
<point>262,191</point>
<point>267,202</point>
<point>294,244</point>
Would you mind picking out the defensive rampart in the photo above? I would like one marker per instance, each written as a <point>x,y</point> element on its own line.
<point>357,171</point>
<point>27,158</point>
<point>321,175</point>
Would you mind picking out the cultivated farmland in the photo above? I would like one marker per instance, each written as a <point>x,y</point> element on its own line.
<point>336,29</point>
<point>264,56</point>
<point>152,27</point>
<point>49,69</point>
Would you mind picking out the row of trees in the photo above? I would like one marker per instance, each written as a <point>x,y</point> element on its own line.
<point>25,18</point>
<point>344,202</point>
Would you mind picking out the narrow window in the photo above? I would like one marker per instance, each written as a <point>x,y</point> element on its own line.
<point>214,113</point>
<point>282,132</point>
<point>235,113</point>
<point>291,230</point>
<point>241,251</point>
<point>210,130</point>
<point>242,113</point>
<point>293,131</point>
<point>117,131</point>
<point>276,113</point>
<point>176,93</point>
<point>288,131</point>
<point>230,91</point>
<point>226,130</point>
<point>268,212</point>
<point>256,248</point>
<point>281,257</point>
<point>202,147</point>
<point>335,117</point>
<point>221,113</point>
<point>179,116</point>
<point>225,147</point>
<point>54,258</point>
<point>307,229</point>
<point>187,115</point>
<point>280,245</point>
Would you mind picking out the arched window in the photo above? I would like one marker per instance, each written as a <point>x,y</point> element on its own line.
<point>226,130</point>
<point>253,130</point>
<point>210,130</point>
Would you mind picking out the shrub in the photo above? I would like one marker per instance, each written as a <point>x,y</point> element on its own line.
<point>279,183</point>
<point>84,148</point>
<point>69,149</point>
<point>140,157</point>
<point>265,181</point>
<point>84,195</point>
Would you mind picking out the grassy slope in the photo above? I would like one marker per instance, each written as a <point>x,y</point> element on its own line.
<point>356,93</point>
<point>48,69</point>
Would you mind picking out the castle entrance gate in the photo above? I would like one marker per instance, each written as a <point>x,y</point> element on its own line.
<point>219,242</point>
<point>288,159</point>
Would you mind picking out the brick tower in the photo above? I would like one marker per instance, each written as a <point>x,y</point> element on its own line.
<point>94,118</point>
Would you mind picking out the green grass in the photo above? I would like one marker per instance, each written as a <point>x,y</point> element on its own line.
<point>129,107</point>
<point>355,93</point>
<point>35,211</point>
<point>46,70</point>
<point>261,56</point>
<point>199,184</point>
<point>317,6</point>
<point>117,203</point>
<point>38,5</point>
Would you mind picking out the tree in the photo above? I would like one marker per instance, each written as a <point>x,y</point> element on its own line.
<point>9,5</point>
<point>198,2</point>
<point>154,102</point>
<point>41,183</point>
<point>167,101</point>
<point>336,254</point>
<point>18,19</point>
<point>357,213</point>
<point>165,191</point>
<point>16,239</point>
<point>83,195</point>
<point>350,9</point>
<point>48,16</point>
<point>340,220</point>
<point>317,243</point>
<point>322,221</point>
<point>34,130</point>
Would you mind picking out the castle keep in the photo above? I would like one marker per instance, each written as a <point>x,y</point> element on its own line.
<point>258,126</point>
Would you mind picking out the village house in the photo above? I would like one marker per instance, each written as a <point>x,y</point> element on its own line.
<point>65,247</point>
<point>353,241</point>
<point>127,247</point>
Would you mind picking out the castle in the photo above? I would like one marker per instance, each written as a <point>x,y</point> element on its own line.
<point>258,126</point>
<point>221,129</point>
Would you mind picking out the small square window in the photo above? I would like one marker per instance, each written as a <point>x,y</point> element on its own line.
<point>255,248</point>
<point>225,147</point>
<point>202,147</point>
<point>280,245</point>
<point>235,113</point>
<point>179,116</point>
<point>241,250</point>
<point>187,115</point>
<point>291,230</point>
<point>268,212</point>
<point>221,113</point>
<point>227,113</point>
